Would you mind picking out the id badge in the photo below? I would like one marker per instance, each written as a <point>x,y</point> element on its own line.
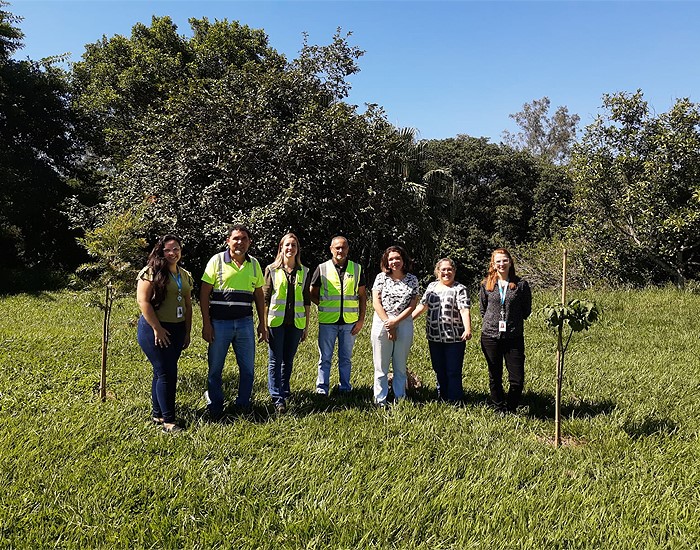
<point>501,326</point>
<point>180,312</point>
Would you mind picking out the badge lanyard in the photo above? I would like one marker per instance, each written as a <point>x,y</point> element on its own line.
<point>502,292</point>
<point>178,282</point>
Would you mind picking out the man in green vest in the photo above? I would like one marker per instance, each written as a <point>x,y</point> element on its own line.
<point>338,288</point>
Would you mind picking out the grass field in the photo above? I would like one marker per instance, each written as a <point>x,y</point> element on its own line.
<point>77,473</point>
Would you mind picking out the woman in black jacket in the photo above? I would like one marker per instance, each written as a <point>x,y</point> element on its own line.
<point>505,302</point>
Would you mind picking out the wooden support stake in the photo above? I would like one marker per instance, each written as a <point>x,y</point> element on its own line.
<point>105,342</point>
<point>560,362</point>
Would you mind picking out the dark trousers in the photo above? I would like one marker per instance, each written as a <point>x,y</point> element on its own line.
<point>164,361</point>
<point>512,351</point>
<point>447,359</point>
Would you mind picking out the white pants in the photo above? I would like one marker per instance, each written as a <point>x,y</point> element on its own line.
<point>385,351</point>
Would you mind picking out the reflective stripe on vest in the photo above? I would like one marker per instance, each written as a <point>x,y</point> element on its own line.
<point>233,303</point>
<point>278,301</point>
<point>333,296</point>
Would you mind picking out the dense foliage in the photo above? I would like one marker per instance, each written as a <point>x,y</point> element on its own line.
<point>195,132</point>
<point>228,131</point>
<point>37,158</point>
<point>637,195</point>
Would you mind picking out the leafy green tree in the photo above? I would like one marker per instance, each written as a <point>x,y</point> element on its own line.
<point>37,153</point>
<point>480,197</point>
<point>263,141</point>
<point>552,198</point>
<point>10,35</point>
<point>637,194</point>
<point>547,137</point>
<point>121,80</point>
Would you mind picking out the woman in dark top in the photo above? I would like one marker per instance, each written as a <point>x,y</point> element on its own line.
<point>505,302</point>
<point>164,297</point>
<point>287,304</point>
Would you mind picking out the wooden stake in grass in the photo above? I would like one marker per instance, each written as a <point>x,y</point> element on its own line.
<point>109,299</point>
<point>578,315</point>
<point>560,360</point>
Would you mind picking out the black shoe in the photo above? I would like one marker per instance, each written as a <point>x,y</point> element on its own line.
<point>280,408</point>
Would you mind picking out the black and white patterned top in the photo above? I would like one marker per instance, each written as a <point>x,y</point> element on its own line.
<point>396,295</point>
<point>444,322</point>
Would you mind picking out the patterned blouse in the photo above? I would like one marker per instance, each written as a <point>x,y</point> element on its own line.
<point>444,322</point>
<point>396,295</point>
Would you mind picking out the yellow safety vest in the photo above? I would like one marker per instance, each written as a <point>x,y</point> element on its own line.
<point>335,296</point>
<point>278,301</point>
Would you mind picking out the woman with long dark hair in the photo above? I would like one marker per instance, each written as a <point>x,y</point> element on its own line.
<point>287,301</point>
<point>505,301</point>
<point>164,296</point>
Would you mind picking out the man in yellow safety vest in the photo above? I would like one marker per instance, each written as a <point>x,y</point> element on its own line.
<point>338,288</point>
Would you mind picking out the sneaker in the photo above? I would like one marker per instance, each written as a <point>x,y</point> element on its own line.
<point>280,408</point>
<point>322,392</point>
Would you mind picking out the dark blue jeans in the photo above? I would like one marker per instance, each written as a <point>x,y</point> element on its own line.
<point>164,361</point>
<point>284,341</point>
<point>447,359</point>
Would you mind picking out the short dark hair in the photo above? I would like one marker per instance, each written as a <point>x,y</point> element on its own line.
<point>238,227</point>
<point>405,258</point>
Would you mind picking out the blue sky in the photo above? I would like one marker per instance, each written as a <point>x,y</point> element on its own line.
<point>444,68</point>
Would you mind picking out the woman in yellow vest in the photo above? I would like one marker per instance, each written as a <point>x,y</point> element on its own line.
<point>287,302</point>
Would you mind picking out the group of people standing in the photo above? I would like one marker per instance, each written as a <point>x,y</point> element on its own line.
<point>233,282</point>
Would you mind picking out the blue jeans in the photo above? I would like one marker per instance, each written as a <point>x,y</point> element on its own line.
<point>327,335</point>
<point>240,334</point>
<point>385,351</point>
<point>447,359</point>
<point>164,361</point>
<point>283,344</point>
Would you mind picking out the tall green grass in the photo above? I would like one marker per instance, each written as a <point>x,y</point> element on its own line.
<point>336,473</point>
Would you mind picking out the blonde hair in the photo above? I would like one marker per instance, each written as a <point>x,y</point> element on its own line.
<point>450,261</point>
<point>279,259</point>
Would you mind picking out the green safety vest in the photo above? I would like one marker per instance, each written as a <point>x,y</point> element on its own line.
<point>333,296</point>
<point>278,301</point>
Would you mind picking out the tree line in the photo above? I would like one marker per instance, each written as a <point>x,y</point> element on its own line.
<point>160,132</point>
